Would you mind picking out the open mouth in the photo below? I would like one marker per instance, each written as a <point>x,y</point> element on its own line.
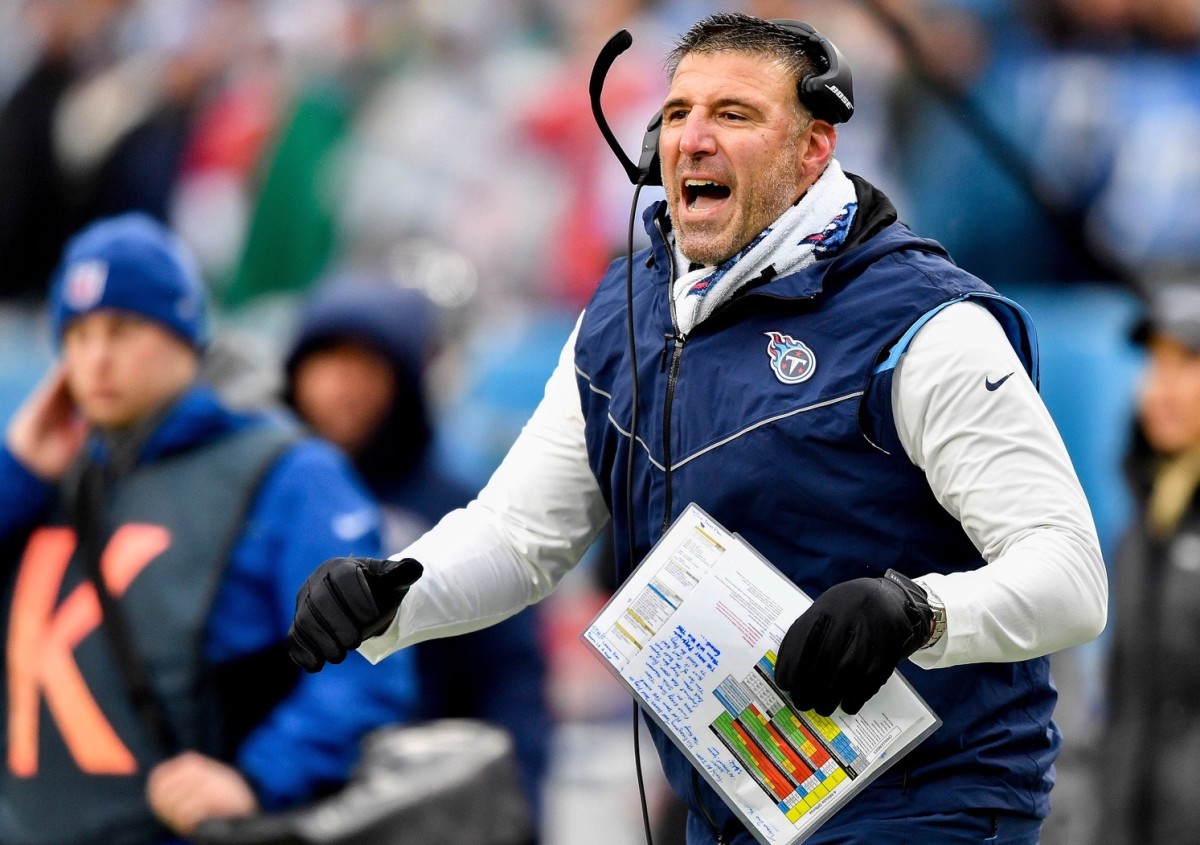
<point>703,194</point>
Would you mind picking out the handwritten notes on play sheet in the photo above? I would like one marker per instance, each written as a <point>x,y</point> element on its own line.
<point>693,634</point>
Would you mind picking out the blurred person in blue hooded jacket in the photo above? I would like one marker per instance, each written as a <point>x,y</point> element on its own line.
<point>356,373</point>
<point>124,472</point>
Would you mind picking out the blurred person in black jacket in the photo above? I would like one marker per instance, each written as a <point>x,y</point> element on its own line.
<point>1149,767</point>
<point>356,374</point>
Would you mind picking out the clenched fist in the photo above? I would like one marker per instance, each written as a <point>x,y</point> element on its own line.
<point>345,601</point>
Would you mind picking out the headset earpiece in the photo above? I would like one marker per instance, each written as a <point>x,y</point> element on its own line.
<point>828,94</point>
<point>649,168</point>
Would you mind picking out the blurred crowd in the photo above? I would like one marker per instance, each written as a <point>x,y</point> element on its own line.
<point>282,139</point>
<point>449,146</point>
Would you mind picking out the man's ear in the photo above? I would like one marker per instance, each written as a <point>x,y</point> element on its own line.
<point>817,149</point>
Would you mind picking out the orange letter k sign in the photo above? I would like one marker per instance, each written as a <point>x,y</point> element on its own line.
<point>42,639</point>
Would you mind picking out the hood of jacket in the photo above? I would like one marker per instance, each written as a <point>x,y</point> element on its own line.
<point>397,323</point>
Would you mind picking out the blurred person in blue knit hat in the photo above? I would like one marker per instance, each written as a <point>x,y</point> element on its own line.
<point>152,543</point>
<point>356,373</point>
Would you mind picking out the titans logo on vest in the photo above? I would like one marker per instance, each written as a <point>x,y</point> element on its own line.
<point>791,360</point>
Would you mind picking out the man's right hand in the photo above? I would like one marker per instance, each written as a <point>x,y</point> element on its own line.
<point>345,601</point>
<point>47,431</point>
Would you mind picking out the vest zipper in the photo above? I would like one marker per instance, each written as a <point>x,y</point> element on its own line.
<point>675,342</point>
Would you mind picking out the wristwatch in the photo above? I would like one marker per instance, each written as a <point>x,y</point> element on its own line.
<point>939,615</point>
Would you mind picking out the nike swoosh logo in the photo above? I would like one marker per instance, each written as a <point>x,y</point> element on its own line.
<point>993,385</point>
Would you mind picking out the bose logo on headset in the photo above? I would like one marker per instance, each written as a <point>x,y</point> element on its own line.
<point>845,100</point>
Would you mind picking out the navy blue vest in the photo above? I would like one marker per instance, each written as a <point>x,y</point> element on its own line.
<point>774,416</point>
<point>76,757</point>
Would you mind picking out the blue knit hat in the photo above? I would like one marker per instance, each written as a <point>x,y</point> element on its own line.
<point>130,262</point>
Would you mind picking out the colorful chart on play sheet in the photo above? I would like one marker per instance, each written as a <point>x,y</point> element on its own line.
<point>797,758</point>
<point>693,634</point>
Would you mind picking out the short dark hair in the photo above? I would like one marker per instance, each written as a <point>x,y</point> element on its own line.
<point>735,32</point>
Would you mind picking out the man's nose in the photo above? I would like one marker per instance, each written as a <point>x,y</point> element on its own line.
<point>697,138</point>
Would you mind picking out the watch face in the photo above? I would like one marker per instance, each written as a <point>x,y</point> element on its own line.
<point>939,625</point>
<point>939,618</point>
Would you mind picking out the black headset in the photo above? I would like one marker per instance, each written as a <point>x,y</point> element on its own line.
<point>828,94</point>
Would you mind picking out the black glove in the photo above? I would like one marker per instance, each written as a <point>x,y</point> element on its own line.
<point>343,602</point>
<point>844,647</point>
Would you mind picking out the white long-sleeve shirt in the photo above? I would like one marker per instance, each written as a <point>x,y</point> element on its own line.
<point>993,459</point>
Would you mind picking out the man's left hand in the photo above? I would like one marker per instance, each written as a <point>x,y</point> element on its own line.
<point>189,788</point>
<point>845,646</point>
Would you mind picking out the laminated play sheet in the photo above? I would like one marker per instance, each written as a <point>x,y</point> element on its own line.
<point>693,634</point>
